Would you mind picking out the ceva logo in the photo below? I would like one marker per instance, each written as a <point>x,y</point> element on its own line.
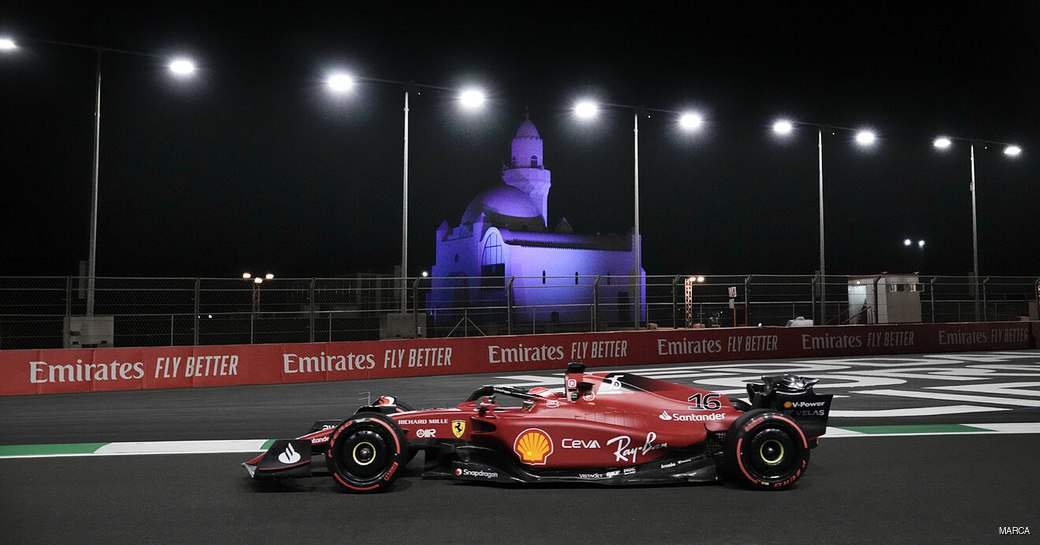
<point>289,456</point>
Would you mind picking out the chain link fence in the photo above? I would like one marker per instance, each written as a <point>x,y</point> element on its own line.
<point>49,312</point>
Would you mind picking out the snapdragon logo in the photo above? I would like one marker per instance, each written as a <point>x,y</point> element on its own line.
<point>482,474</point>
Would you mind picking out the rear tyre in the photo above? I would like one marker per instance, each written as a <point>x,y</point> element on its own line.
<point>367,453</point>
<point>766,450</point>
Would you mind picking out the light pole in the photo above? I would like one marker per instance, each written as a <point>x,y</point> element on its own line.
<point>256,281</point>
<point>688,121</point>
<point>1010,150</point>
<point>179,66</point>
<point>910,243</point>
<point>863,137</point>
<point>469,98</point>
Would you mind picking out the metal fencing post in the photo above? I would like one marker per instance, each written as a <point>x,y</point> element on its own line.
<point>197,316</point>
<point>68,297</point>
<point>509,306</point>
<point>931,288</point>
<point>675,301</point>
<point>985,300</point>
<point>813,289</point>
<point>310,305</point>
<point>415,308</point>
<point>747,300</point>
<point>595,304</point>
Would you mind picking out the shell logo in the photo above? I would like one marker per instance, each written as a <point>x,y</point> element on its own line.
<point>533,446</point>
<point>787,405</point>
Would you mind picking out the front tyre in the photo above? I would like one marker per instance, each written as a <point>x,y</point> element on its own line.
<point>366,453</point>
<point>766,450</point>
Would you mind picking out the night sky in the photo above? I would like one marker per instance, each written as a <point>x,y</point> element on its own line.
<point>253,165</point>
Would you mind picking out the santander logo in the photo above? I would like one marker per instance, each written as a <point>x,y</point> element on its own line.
<point>678,417</point>
<point>289,456</point>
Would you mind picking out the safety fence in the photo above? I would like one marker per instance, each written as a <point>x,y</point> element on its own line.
<point>51,312</point>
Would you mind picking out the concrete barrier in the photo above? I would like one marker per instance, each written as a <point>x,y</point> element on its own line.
<point>25,372</point>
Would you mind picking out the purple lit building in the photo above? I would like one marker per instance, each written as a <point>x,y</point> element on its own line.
<point>503,254</point>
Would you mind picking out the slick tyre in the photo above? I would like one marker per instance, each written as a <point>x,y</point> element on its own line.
<point>367,453</point>
<point>766,450</point>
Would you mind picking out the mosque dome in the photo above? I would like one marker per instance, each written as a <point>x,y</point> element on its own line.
<point>505,206</point>
<point>527,130</point>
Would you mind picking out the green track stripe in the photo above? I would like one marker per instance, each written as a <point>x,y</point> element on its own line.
<point>914,429</point>
<point>268,444</point>
<point>50,450</point>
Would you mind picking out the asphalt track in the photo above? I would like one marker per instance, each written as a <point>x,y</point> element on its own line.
<point>947,488</point>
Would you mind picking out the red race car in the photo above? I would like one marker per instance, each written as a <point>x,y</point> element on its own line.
<point>605,428</point>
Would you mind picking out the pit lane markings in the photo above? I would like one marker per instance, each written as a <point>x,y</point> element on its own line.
<point>260,445</point>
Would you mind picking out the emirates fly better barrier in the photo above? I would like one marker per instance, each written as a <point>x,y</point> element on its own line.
<point>24,372</point>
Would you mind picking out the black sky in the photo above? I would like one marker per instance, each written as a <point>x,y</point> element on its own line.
<point>252,165</point>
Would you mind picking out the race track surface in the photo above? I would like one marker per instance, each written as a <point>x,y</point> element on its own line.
<point>949,488</point>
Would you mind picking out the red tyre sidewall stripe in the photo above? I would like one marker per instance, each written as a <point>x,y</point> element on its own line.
<point>397,441</point>
<point>755,422</point>
<point>328,453</point>
<point>350,486</point>
<point>805,443</point>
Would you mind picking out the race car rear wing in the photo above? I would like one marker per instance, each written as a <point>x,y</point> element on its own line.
<point>793,395</point>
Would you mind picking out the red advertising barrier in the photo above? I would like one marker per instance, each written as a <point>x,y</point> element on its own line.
<point>84,370</point>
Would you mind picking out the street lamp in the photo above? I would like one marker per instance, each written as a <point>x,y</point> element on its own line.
<point>1010,150</point>
<point>910,243</point>
<point>470,98</point>
<point>180,67</point>
<point>863,137</point>
<point>688,284</point>
<point>256,281</point>
<point>688,121</point>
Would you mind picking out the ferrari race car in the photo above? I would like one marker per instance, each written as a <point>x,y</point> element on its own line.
<point>606,428</point>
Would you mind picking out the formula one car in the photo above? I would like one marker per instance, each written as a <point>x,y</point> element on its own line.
<point>606,428</point>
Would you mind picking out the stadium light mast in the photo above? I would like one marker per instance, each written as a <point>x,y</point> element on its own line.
<point>179,66</point>
<point>1010,150</point>
<point>470,98</point>
<point>688,121</point>
<point>863,137</point>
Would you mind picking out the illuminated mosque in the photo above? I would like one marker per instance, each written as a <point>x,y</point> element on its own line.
<point>504,242</point>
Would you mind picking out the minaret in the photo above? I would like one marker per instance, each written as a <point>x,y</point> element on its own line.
<point>527,170</point>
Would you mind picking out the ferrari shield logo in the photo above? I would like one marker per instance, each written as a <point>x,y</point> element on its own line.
<point>458,427</point>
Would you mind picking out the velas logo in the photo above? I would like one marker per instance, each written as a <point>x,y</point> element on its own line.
<point>533,446</point>
<point>458,427</point>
